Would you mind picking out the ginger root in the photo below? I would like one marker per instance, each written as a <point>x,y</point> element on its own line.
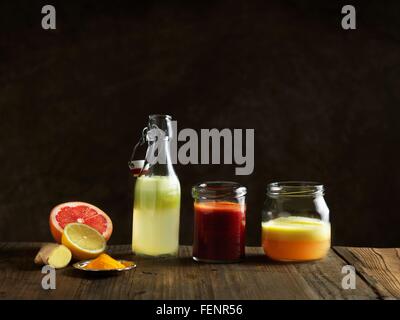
<point>56,255</point>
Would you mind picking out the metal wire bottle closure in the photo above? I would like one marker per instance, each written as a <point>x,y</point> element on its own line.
<point>136,165</point>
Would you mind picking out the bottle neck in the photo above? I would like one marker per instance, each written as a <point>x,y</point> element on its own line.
<point>158,158</point>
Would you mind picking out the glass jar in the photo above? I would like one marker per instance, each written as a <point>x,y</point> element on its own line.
<point>157,195</point>
<point>219,222</point>
<point>295,222</point>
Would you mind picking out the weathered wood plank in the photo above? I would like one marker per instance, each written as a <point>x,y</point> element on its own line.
<point>254,278</point>
<point>20,278</point>
<point>380,268</point>
<point>185,279</point>
<point>182,278</point>
<point>325,278</point>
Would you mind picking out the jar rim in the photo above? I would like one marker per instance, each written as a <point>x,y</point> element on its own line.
<point>218,190</point>
<point>295,188</point>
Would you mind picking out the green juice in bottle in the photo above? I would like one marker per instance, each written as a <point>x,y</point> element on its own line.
<point>157,195</point>
<point>156,216</point>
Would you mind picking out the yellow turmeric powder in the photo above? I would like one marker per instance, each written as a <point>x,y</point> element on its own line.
<point>104,262</point>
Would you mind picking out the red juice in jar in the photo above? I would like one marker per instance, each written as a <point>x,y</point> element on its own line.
<point>219,222</point>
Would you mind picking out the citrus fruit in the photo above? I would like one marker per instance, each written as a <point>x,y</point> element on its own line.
<point>84,241</point>
<point>81,212</point>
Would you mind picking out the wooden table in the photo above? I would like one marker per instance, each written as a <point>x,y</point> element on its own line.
<point>377,277</point>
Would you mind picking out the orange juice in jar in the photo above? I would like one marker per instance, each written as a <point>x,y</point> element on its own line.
<point>295,224</point>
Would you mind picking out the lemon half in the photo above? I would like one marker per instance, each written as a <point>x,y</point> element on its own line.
<point>84,242</point>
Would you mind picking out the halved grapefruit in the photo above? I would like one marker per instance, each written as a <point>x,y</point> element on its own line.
<point>80,212</point>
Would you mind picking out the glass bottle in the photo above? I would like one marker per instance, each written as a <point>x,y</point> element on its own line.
<point>219,221</point>
<point>157,195</point>
<point>295,221</point>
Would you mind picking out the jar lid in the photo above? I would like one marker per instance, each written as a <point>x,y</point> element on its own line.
<point>295,189</point>
<point>218,190</point>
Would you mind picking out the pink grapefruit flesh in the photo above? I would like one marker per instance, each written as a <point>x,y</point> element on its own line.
<point>80,212</point>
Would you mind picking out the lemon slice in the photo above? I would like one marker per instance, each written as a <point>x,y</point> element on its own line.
<point>84,242</point>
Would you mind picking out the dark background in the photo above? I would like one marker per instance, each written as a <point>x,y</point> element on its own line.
<point>324,103</point>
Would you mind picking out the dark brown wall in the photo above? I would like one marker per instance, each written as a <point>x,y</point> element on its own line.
<point>324,103</point>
